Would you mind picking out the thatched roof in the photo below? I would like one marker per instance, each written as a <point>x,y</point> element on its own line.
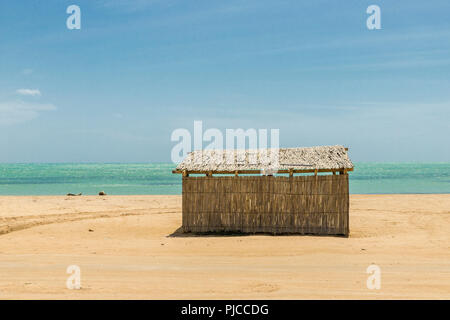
<point>325,158</point>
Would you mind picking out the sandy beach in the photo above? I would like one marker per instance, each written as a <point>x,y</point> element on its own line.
<point>129,247</point>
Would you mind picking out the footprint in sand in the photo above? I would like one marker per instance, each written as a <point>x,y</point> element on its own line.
<point>263,287</point>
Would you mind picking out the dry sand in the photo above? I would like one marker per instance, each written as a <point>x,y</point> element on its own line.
<point>127,248</point>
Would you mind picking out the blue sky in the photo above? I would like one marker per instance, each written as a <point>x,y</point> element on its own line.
<point>137,70</point>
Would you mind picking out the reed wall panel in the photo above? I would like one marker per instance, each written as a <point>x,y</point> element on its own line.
<point>300,204</point>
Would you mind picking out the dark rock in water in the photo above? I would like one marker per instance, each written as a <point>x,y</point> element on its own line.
<point>102,193</point>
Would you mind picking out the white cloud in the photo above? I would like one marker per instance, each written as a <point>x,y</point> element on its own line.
<point>29,92</point>
<point>27,71</point>
<point>18,111</point>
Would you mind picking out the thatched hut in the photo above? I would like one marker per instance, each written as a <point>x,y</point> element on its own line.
<point>309,194</point>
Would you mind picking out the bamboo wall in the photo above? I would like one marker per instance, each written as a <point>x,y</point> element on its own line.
<point>299,204</point>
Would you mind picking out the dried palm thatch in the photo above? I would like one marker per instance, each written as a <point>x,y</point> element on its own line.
<point>312,158</point>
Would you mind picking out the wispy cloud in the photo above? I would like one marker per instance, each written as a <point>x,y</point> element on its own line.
<point>114,135</point>
<point>27,71</point>
<point>29,92</point>
<point>16,112</point>
<point>128,5</point>
<point>213,8</point>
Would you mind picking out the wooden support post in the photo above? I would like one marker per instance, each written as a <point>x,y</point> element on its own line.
<point>185,173</point>
<point>236,173</point>
<point>291,172</point>
<point>315,172</point>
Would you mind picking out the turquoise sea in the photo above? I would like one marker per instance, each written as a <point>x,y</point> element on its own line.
<point>157,178</point>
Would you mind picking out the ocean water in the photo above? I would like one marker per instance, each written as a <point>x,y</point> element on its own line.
<point>157,178</point>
